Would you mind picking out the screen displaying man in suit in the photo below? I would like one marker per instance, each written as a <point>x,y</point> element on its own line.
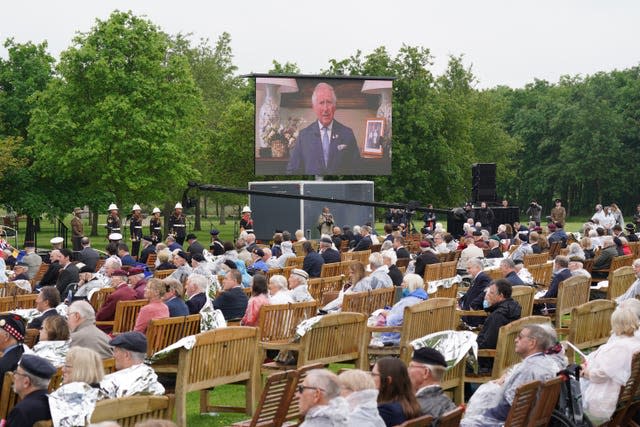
<point>325,147</point>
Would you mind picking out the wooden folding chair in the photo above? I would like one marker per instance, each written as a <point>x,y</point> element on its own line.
<point>274,401</point>
<point>431,272</point>
<point>362,256</point>
<point>99,297</point>
<point>451,418</point>
<point>524,296</point>
<point>620,280</point>
<point>25,301</point>
<point>125,316</point>
<point>450,292</point>
<point>161,274</point>
<point>128,411</point>
<point>534,259</point>
<point>331,269</point>
<point>369,301</point>
<point>448,269</point>
<point>277,323</point>
<point>590,326</point>
<point>545,403</point>
<point>219,356</point>
<point>294,261</point>
<point>293,411</point>
<point>522,404</point>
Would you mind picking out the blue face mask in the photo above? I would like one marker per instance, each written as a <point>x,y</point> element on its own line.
<point>405,292</point>
<point>485,304</point>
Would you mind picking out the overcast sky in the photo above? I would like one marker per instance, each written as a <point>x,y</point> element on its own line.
<point>505,42</point>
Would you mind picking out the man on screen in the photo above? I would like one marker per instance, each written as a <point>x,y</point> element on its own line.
<point>325,147</point>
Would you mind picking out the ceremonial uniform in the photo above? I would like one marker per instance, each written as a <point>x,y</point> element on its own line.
<point>113,225</point>
<point>178,227</point>
<point>155,229</point>
<point>136,234</point>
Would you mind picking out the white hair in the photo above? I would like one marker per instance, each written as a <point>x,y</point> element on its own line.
<point>390,254</point>
<point>279,280</point>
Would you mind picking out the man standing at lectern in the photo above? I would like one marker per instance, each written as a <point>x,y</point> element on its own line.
<point>325,147</point>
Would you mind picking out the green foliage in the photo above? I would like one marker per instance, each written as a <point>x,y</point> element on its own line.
<point>121,117</point>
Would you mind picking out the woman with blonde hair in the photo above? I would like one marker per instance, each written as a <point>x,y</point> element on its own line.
<point>156,309</point>
<point>360,392</point>
<point>82,365</point>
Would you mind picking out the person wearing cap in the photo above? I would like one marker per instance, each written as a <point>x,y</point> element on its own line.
<point>631,233</point>
<point>173,298</point>
<point>287,252</point>
<point>56,242</point>
<point>494,247</point>
<point>233,301</point>
<point>135,229</point>
<point>328,253</point>
<point>12,331</point>
<point>89,282</point>
<point>171,243</point>
<point>181,260</point>
<point>125,256</point>
<point>68,273</point>
<point>88,256</point>
<point>426,370</point>
<point>50,276</point>
<point>558,213</point>
<point>77,229</point>
<point>155,226</point>
<point>123,292</point>
<point>298,286</point>
<point>194,246</point>
<point>426,257</point>
<point>115,238</point>
<point>216,247</point>
<point>178,224</point>
<point>113,221</point>
<point>31,258</point>
<point>148,248</point>
<point>46,302</point>
<point>132,376</point>
<point>30,382</point>
<point>20,271</point>
<point>81,318</point>
<point>246,222</point>
<point>258,263</point>
<point>137,282</point>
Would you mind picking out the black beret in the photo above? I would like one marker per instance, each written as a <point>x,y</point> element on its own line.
<point>38,366</point>
<point>183,254</point>
<point>232,265</point>
<point>197,257</point>
<point>132,341</point>
<point>191,236</point>
<point>14,325</point>
<point>214,232</point>
<point>87,269</point>
<point>429,356</point>
<point>258,252</point>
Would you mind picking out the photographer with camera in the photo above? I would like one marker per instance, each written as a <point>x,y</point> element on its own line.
<point>534,211</point>
<point>325,222</point>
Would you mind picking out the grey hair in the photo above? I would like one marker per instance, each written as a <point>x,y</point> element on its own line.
<point>508,262</point>
<point>325,380</point>
<point>84,309</point>
<point>544,335</point>
<point>390,254</point>
<point>199,280</point>
<point>387,244</point>
<point>323,86</point>
<point>476,262</point>
<point>375,259</point>
<point>280,280</point>
<point>37,382</point>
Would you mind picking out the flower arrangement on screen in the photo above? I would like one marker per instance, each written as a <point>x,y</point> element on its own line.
<point>286,133</point>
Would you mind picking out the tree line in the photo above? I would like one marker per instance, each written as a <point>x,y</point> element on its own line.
<point>130,114</point>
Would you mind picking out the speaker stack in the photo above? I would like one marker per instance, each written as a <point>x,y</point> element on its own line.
<point>483,183</point>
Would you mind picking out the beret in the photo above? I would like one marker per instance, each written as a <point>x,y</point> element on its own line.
<point>214,232</point>
<point>429,356</point>
<point>258,252</point>
<point>119,273</point>
<point>197,257</point>
<point>86,269</point>
<point>183,254</point>
<point>191,236</point>
<point>135,270</point>
<point>132,341</point>
<point>232,265</point>
<point>38,366</point>
<point>551,226</point>
<point>425,244</point>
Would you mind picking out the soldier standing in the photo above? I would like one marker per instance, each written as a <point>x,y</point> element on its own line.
<point>135,225</point>
<point>155,226</point>
<point>113,221</point>
<point>77,229</point>
<point>178,224</point>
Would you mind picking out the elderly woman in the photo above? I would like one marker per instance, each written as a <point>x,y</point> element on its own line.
<point>164,260</point>
<point>278,292</point>
<point>173,298</point>
<point>156,309</point>
<point>609,367</point>
<point>361,393</point>
<point>196,292</point>
<point>576,251</point>
<point>259,297</point>
<point>412,293</point>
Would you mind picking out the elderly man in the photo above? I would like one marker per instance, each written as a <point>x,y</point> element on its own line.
<point>576,266</point>
<point>494,247</point>
<point>474,298</point>
<point>148,248</point>
<point>298,287</point>
<point>32,259</point>
<point>132,376</point>
<point>137,282</point>
<point>320,400</point>
<point>313,261</point>
<point>194,246</point>
<point>30,382</point>
<point>233,301</point>
<point>508,269</point>
<point>181,260</point>
<point>471,251</point>
<point>287,252</point>
<point>278,293</point>
<point>173,298</point>
<point>365,241</point>
<point>125,256</point>
<point>427,256</point>
<point>327,252</point>
<point>172,244</point>
<point>398,246</point>
<point>68,273</point>
<point>46,303</point>
<point>196,292</point>
<point>257,262</point>
<point>12,333</point>
<point>325,147</point>
<point>379,277</point>
<point>561,273</point>
<point>88,256</point>
<point>426,370</point>
<point>531,345</point>
<point>123,292</point>
<point>603,261</point>
<point>390,258</point>
<point>84,333</point>
<point>20,272</point>
<point>89,281</point>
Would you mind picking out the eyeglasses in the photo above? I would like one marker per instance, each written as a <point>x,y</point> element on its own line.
<point>19,373</point>
<point>301,388</point>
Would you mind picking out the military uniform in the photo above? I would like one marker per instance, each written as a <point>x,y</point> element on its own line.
<point>77,229</point>
<point>136,234</point>
<point>178,227</point>
<point>155,229</point>
<point>113,225</point>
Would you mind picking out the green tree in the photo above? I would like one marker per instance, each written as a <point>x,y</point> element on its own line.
<point>121,123</point>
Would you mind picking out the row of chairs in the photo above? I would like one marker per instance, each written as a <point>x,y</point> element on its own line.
<point>438,271</point>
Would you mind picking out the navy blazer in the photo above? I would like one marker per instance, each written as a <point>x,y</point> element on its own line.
<point>307,157</point>
<point>312,264</point>
<point>330,255</point>
<point>558,277</point>
<point>36,323</point>
<point>196,302</point>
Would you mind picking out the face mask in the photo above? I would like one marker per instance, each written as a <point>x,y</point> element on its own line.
<point>485,304</point>
<point>405,292</point>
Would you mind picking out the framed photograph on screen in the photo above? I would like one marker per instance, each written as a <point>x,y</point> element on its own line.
<point>373,137</point>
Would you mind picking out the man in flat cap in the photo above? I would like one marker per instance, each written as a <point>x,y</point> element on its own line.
<point>426,370</point>
<point>132,376</point>
<point>148,248</point>
<point>216,247</point>
<point>194,246</point>
<point>181,260</point>
<point>327,252</point>
<point>12,331</point>
<point>30,382</point>
<point>298,287</point>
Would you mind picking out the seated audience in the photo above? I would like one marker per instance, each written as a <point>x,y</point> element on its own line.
<point>53,343</point>
<point>155,309</point>
<point>474,298</point>
<point>426,257</point>
<point>30,382</point>
<point>313,261</point>
<point>389,259</point>
<point>379,276</point>
<point>12,332</point>
<point>360,392</point>
<point>137,282</point>
<point>132,376</point>
<point>396,400</point>
<point>181,260</point>
<point>259,297</point>
<point>298,287</point>
<point>426,370</point>
<point>329,254</point>
<point>278,293</point>
<point>603,261</point>
<point>123,292</point>
<point>46,303</point>
<point>233,301</point>
<point>412,293</point>
<point>320,400</point>
<point>173,298</point>
<point>508,269</point>
<point>84,333</point>
<point>196,296</point>
<point>164,256</point>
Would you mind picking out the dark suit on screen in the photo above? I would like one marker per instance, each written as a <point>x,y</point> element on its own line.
<point>307,157</point>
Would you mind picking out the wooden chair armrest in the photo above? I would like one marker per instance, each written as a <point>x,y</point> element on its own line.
<point>384,328</point>
<point>487,352</point>
<point>105,323</point>
<point>474,313</point>
<point>545,301</point>
<point>293,346</point>
<point>563,331</point>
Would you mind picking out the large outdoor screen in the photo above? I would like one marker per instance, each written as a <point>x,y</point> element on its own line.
<point>314,125</point>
